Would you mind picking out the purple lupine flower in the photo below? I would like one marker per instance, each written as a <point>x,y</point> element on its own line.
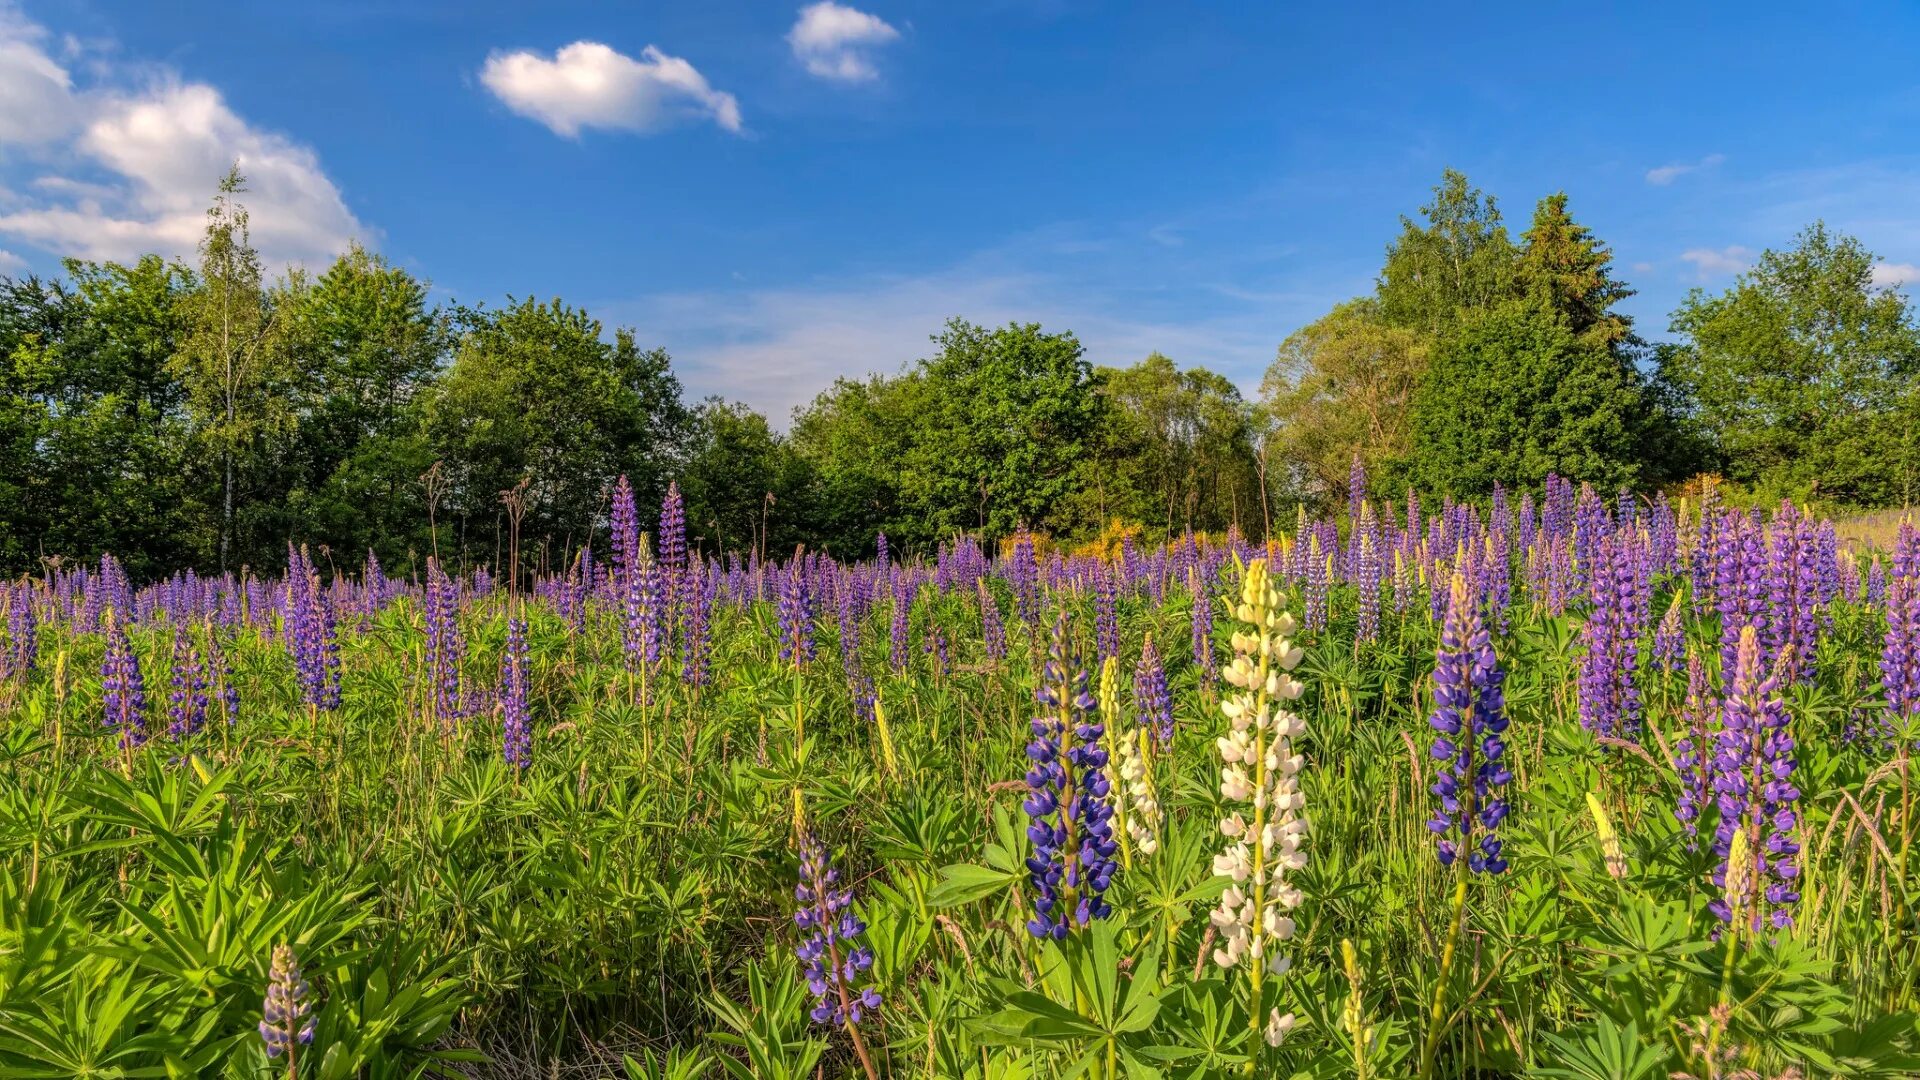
<point>673,553</point>
<point>649,589</point>
<point>1023,575</point>
<point>123,689</point>
<point>832,958</point>
<point>897,624</point>
<point>1609,698</point>
<point>1470,716</point>
<point>880,550</point>
<point>1201,622</point>
<point>375,581</point>
<point>1876,582</point>
<point>1317,572</point>
<point>993,631</point>
<point>1753,767</point>
<point>284,1019</point>
<point>1152,702</point>
<point>1106,613</point>
<point>1069,799</point>
<point>220,677</point>
<point>1694,752</point>
<point>23,633</point>
<point>187,686</point>
<point>516,738</point>
<point>1793,586</point>
<point>1740,582</point>
<point>702,581</point>
<point>1900,656</point>
<point>1368,574</point>
<point>937,649</point>
<point>446,647</point>
<point>1356,499</point>
<point>795,611</point>
<point>310,634</point>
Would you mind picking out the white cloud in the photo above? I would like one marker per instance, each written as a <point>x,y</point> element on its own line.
<point>587,84</point>
<point>9,262</point>
<point>131,168</point>
<point>1712,262</point>
<point>834,41</point>
<point>1888,275</point>
<point>36,93</point>
<point>1667,174</point>
<point>776,347</point>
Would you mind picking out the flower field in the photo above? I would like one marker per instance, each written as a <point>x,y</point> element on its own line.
<point>1562,785</point>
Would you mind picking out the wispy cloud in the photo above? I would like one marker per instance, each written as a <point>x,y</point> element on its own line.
<point>128,158</point>
<point>588,84</point>
<point>1892,275</point>
<point>776,347</point>
<point>1718,262</point>
<point>834,41</point>
<point>1663,175</point>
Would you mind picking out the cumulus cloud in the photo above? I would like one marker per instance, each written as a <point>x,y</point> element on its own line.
<point>1890,275</point>
<point>587,84</point>
<point>1667,174</point>
<point>128,169</point>
<point>834,41</point>
<point>1716,262</point>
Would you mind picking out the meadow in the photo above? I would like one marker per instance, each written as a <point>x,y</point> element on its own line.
<point>1561,785</point>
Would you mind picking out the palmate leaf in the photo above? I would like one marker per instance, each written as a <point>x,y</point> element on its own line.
<point>963,883</point>
<point>1604,1051</point>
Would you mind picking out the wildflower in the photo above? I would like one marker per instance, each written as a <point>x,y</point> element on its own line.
<point>832,960</point>
<point>123,690</point>
<point>23,632</point>
<point>1136,804</point>
<point>285,1019</point>
<point>1900,656</point>
<point>1106,613</point>
<point>897,623</point>
<point>1612,853</point>
<point>1260,767</point>
<point>1609,699</point>
<point>1469,714</point>
<point>1201,621</point>
<point>1152,702</point>
<point>993,631</point>
<point>1753,765</point>
<point>516,740</point>
<point>702,580</point>
<point>220,677</point>
<point>446,647</point>
<point>187,697</point>
<point>673,554</point>
<point>1069,800</point>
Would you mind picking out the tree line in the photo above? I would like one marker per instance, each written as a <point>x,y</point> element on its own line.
<point>204,415</point>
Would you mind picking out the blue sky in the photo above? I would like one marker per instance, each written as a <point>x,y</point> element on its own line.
<point>780,193</point>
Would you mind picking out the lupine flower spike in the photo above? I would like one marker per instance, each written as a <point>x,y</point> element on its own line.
<point>1260,767</point>
<point>285,1021</point>
<point>1069,800</point>
<point>832,959</point>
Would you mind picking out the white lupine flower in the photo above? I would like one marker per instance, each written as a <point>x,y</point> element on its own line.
<point>1260,767</point>
<point>1277,1027</point>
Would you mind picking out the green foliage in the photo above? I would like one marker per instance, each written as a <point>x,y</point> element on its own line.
<point>1803,375</point>
<point>536,394</point>
<point>1342,387</point>
<point>1514,395</point>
